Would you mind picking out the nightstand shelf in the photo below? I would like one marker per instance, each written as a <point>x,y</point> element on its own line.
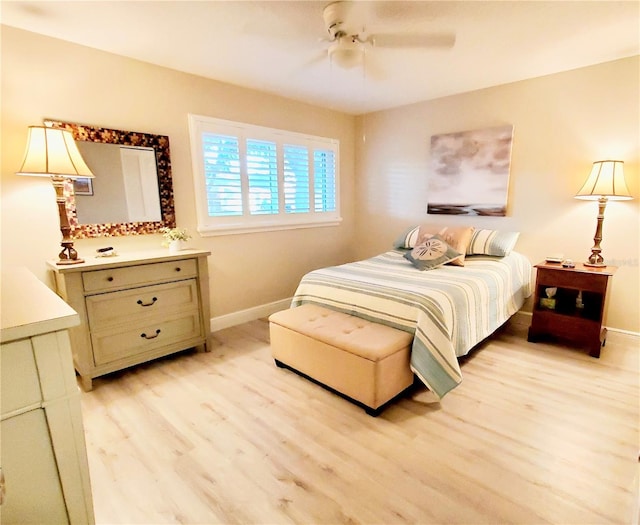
<point>577,311</point>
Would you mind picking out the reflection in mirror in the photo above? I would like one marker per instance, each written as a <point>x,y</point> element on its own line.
<point>132,192</point>
<point>126,184</point>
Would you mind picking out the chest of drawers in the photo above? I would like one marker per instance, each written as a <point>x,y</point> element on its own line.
<point>134,308</point>
<point>44,472</point>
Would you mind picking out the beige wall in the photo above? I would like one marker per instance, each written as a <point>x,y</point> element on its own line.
<point>49,78</point>
<point>562,123</point>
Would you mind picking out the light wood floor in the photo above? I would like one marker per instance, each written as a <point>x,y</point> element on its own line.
<point>535,433</point>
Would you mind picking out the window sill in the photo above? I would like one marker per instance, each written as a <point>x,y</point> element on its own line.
<point>236,229</point>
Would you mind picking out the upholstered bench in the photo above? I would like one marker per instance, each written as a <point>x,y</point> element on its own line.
<point>366,362</point>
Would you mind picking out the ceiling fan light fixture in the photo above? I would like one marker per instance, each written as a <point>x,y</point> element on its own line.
<point>346,53</point>
<point>350,41</point>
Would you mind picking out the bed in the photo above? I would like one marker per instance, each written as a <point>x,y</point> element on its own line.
<point>449,309</point>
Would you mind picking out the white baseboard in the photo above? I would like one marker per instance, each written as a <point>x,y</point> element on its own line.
<point>625,332</point>
<point>250,314</point>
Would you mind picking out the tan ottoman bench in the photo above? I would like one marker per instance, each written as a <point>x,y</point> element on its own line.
<point>366,362</point>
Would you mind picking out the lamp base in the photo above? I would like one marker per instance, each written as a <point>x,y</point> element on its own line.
<point>68,255</point>
<point>595,265</point>
<point>595,259</point>
<point>67,261</point>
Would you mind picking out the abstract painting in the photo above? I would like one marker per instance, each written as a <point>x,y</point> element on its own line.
<point>469,172</point>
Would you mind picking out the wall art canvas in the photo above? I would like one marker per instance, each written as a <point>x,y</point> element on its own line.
<point>469,172</point>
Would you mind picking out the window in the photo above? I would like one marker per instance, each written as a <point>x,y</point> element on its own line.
<point>252,178</point>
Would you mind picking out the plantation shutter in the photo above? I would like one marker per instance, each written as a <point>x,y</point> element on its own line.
<point>296,179</point>
<point>324,176</point>
<point>262,174</point>
<point>222,175</point>
<point>253,178</point>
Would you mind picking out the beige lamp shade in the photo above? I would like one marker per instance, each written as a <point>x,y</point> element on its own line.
<point>605,180</point>
<point>52,152</point>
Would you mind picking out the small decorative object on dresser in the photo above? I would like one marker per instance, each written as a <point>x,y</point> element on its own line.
<point>579,307</point>
<point>135,307</point>
<point>175,238</point>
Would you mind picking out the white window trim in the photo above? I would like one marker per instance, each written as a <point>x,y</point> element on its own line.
<point>210,226</point>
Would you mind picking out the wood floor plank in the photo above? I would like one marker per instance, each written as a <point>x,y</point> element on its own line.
<point>536,433</point>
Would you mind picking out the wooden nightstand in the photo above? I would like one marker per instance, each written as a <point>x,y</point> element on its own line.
<point>579,310</point>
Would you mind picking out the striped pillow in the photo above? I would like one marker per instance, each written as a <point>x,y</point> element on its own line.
<point>492,242</point>
<point>408,239</point>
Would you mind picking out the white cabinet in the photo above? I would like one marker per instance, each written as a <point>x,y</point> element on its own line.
<point>42,449</point>
<point>135,307</point>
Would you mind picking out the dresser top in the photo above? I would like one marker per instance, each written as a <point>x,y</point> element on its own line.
<point>31,308</point>
<point>127,259</point>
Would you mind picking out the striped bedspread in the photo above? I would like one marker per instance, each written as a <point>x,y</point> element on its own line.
<point>449,310</point>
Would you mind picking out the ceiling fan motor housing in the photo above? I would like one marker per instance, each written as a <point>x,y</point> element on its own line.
<point>333,16</point>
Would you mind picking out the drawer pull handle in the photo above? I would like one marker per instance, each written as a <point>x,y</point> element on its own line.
<point>153,301</point>
<point>151,336</point>
<point>178,269</point>
<point>110,279</point>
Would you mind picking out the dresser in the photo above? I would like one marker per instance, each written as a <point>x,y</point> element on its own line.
<point>44,471</point>
<point>135,307</point>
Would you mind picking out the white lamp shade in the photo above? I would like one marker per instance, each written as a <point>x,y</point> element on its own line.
<point>52,151</point>
<point>605,180</point>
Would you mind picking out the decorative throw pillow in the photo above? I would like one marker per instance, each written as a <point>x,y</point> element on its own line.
<point>408,239</point>
<point>431,253</point>
<point>492,242</point>
<point>457,237</point>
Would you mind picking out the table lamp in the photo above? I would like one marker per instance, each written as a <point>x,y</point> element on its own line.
<point>605,182</point>
<point>52,152</point>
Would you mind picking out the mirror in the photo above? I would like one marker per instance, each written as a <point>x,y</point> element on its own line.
<point>132,192</point>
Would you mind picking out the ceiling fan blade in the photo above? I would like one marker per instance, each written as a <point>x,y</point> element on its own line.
<point>430,40</point>
<point>318,58</point>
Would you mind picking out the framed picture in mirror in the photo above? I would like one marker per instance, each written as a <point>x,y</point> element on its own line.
<point>83,187</point>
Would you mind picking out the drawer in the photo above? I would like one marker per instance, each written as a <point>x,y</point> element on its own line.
<point>19,375</point>
<point>127,306</point>
<point>575,280</point>
<point>139,275</point>
<point>110,346</point>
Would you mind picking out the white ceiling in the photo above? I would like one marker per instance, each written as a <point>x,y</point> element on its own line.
<point>277,47</point>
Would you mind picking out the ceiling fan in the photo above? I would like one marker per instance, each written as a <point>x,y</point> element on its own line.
<point>349,39</point>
